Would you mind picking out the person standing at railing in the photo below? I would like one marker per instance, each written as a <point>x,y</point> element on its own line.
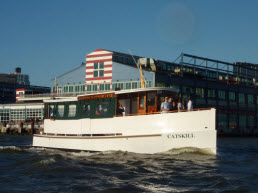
<point>174,107</point>
<point>165,106</point>
<point>170,100</point>
<point>190,104</point>
<point>180,105</point>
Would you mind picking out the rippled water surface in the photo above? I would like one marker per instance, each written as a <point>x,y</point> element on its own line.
<point>234,169</point>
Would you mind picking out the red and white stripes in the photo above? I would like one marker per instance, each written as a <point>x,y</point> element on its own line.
<point>99,56</point>
<point>19,92</point>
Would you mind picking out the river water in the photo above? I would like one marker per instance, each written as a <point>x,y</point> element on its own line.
<point>233,169</point>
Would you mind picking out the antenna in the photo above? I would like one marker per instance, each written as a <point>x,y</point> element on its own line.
<point>140,69</point>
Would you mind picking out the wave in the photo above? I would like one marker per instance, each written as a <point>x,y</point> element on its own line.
<point>178,151</point>
<point>10,149</point>
<point>47,161</point>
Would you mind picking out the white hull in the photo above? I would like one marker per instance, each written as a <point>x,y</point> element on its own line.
<point>140,134</point>
<point>139,144</point>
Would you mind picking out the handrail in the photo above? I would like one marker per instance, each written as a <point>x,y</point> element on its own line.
<point>176,111</point>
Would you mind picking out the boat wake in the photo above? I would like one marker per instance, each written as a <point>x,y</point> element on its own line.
<point>81,154</point>
<point>178,151</point>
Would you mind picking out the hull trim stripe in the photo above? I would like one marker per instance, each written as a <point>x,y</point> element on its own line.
<point>79,137</point>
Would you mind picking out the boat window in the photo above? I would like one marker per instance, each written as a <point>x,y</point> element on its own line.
<point>51,111</point>
<point>151,99</point>
<point>60,110</point>
<point>141,101</point>
<point>72,111</point>
<point>86,109</point>
<point>102,108</point>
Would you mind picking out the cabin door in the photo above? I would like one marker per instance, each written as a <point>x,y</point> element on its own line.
<point>151,102</point>
<point>141,103</point>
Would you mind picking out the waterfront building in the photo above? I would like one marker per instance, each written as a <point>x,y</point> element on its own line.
<point>21,79</point>
<point>13,113</point>
<point>7,88</point>
<point>230,87</point>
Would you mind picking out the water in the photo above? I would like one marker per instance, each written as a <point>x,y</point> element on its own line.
<point>234,169</point>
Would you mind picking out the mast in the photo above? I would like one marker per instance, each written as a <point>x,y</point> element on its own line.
<point>139,66</point>
<point>142,77</point>
<point>55,85</point>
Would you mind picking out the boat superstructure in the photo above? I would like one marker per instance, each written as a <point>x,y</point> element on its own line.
<point>93,123</point>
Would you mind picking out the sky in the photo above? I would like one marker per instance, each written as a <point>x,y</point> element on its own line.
<point>47,38</point>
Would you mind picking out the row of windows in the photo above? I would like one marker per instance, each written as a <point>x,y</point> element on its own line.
<point>80,110</point>
<point>70,89</point>
<point>230,122</point>
<point>20,114</point>
<point>117,85</point>
<point>102,87</point>
<point>125,60</point>
<point>130,85</point>
<point>221,94</point>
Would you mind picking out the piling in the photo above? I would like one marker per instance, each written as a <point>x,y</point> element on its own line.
<point>20,129</point>
<point>32,127</point>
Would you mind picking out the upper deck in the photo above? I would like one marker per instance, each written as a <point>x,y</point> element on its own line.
<point>109,104</point>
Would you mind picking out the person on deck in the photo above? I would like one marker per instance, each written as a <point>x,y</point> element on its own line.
<point>180,105</point>
<point>170,100</point>
<point>174,107</point>
<point>190,104</point>
<point>165,106</point>
<point>120,109</point>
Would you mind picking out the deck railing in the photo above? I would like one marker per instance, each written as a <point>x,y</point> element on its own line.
<point>176,111</point>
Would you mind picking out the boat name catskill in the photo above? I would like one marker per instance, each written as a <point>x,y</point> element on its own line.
<point>186,135</point>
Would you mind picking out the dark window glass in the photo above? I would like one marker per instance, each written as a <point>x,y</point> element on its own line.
<point>94,87</point>
<point>107,86</point>
<point>96,73</point>
<point>241,98</point>
<point>128,85</point>
<point>102,108</point>
<point>70,88</point>
<point>101,65</point>
<point>101,87</point>
<point>151,99</point>
<point>101,73</point>
<point>250,99</point>
<point>95,65</point>
<point>86,109</point>
<point>222,95</point>
<point>232,96</point>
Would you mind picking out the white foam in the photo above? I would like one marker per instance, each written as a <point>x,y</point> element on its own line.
<point>10,147</point>
<point>47,161</point>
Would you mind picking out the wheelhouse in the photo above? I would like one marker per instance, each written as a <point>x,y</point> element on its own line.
<point>106,105</point>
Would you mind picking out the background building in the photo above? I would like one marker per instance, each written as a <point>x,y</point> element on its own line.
<point>13,86</point>
<point>230,87</point>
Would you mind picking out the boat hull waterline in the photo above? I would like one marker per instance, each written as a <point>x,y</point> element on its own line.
<point>140,134</point>
<point>149,144</point>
